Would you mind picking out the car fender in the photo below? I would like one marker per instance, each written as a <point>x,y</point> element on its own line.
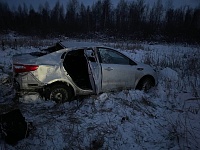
<point>145,75</point>
<point>144,70</point>
<point>63,81</point>
<point>75,88</point>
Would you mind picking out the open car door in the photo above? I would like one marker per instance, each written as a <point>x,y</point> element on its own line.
<point>94,69</point>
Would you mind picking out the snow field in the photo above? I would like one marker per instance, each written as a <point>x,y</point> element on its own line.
<point>165,118</point>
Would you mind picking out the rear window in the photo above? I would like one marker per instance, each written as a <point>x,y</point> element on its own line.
<point>48,50</point>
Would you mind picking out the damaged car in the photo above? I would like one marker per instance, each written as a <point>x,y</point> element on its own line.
<point>69,69</point>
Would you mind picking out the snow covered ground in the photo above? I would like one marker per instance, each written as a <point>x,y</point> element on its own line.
<point>168,117</point>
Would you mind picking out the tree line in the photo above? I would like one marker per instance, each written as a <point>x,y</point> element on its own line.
<point>135,20</point>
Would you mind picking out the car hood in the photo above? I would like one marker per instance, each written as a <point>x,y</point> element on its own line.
<point>143,65</point>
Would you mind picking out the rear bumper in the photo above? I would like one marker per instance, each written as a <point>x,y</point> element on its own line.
<point>25,84</point>
<point>21,91</point>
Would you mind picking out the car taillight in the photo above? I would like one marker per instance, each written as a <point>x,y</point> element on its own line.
<point>19,68</point>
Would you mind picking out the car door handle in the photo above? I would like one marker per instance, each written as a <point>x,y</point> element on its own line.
<point>109,69</point>
<point>140,69</point>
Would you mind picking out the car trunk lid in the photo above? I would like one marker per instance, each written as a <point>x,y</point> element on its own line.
<point>23,59</point>
<point>24,63</point>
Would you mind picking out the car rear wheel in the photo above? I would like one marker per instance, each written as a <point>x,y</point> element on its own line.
<point>146,84</point>
<point>60,93</point>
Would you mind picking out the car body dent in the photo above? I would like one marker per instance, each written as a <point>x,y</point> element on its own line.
<point>47,73</point>
<point>51,70</point>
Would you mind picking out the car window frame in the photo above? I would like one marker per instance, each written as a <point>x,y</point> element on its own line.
<point>131,62</point>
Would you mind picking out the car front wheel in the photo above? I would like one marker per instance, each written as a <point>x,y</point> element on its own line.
<point>146,84</point>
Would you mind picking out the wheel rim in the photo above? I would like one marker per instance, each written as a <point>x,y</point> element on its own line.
<point>59,95</point>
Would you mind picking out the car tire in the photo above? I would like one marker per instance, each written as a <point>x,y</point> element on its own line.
<point>60,93</point>
<point>146,84</point>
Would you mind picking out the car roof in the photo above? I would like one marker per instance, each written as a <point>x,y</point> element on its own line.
<point>75,44</point>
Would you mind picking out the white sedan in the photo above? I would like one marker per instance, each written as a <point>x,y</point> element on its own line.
<point>69,69</point>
